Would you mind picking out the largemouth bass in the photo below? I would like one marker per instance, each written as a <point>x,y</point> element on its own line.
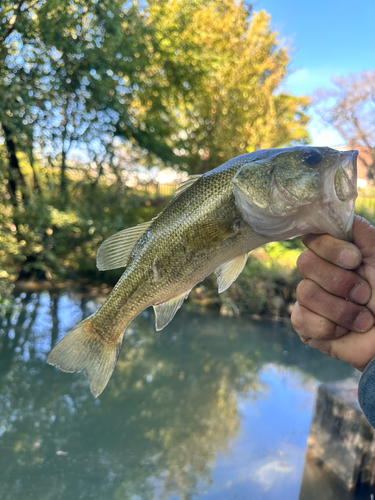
<point>212,223</point>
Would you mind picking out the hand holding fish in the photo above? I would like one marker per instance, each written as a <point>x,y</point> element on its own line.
<point>335,306</point>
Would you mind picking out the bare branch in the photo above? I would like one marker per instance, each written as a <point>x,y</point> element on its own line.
<point>350,109</point>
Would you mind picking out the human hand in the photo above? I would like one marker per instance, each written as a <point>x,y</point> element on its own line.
<point>335,306</point>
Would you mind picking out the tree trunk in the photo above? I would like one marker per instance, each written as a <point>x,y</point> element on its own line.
<point>15,179</point>
<point>63,175</point>
<point>100,173</point>
<point>32,165</point>
<point>64,150</point>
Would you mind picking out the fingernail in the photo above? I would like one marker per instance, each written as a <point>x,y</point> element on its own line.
<point>348,258</point>
<point>364,321</point>
<point>360,294</point>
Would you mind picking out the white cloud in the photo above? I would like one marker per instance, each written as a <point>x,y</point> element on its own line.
<point>272,472</point>
<point>277,468</point>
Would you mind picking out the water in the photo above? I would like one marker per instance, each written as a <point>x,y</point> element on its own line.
<point>209,408</point>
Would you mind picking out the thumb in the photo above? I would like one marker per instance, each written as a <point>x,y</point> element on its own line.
<point>364,239</point>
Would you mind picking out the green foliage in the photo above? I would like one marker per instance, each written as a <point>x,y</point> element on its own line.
<point>53,238</point>
<point>193,83</point>
<point>236,105</point>
<point>365,204</point>
<point>267,287</point>
<point>94,92</point>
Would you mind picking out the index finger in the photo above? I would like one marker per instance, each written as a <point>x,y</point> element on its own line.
<point>338,252</point>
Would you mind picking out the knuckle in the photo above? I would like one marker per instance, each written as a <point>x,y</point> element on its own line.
<point>304,262</point>
<point>324,329</point>
<point>325,246</point>
<point>327,330</point>
<point>317,242</point>
<point>340,283</point>
<point>307,291</point>
<point>300,324</point>
<point>297,322</point>
<point>309,239</point>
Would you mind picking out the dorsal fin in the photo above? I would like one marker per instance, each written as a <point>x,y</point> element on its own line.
<point>192,179</point>
<point>114,252</point>
<point>228,272</point>
<point>164,313</point>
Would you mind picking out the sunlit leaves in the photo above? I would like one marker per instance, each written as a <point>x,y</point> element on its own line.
<point>236,105</point>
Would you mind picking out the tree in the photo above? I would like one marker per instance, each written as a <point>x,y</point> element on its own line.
<point>187,83</point>
<point>79,73</point>
<point>236,105</point>
<point>191,82</point>
<point>350,109</point>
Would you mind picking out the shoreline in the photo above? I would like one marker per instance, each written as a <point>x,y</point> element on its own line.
<point>101,290</point>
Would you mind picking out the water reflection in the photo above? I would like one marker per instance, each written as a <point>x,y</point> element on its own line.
<point>174,405</point>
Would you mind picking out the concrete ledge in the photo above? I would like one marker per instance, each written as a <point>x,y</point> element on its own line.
<point>341,440</point>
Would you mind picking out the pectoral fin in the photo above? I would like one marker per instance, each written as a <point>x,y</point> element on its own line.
<point>229,272</point>
<point>164,313</point>
<point>115,251</point>
<point>207,234</point>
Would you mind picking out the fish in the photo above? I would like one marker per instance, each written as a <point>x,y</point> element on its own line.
<point>212,223</point>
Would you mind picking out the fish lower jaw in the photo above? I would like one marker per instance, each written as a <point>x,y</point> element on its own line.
<point>330,216</point>
<point>333,218</point>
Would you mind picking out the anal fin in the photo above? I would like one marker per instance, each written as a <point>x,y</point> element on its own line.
<point>164,312</point>
<point>229,272</point>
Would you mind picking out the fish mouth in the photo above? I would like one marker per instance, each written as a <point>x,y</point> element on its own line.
<point>339,197</point>
<point>349,189</point>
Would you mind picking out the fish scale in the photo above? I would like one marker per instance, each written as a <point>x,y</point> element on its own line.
<point>212,223</point>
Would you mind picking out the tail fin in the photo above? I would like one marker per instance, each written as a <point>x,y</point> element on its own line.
<point>81,350</point>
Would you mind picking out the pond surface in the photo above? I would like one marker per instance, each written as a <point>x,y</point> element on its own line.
<point>209,408</point>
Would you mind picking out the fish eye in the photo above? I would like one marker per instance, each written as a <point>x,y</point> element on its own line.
<point>312,156</point>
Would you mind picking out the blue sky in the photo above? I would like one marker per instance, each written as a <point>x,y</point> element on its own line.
<point>329,38</point>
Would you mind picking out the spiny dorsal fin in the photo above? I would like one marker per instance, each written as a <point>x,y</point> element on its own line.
<point>114,252</point>
<point>192,179</point>
<point>164,313</point>
<point>228,272</point>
